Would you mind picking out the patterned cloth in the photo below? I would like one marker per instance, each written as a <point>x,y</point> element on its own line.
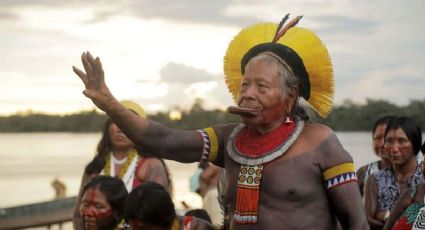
<point>408,217</point>
<point>387,190</point>
<point>370,169</point>
<point>419,223</point>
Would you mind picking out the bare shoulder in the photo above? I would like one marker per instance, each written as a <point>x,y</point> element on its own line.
<point>153,162</point>
<point>314,131</point>
<point>327,145</point>
<point>313,136</point>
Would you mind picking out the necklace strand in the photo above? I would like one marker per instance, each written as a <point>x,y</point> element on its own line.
<point>118,162</point>
<point>124,168</point>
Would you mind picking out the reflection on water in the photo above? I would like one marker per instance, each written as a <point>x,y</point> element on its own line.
<point>30,161</point>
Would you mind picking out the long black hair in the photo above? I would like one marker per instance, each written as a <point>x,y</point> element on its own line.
<point>103,148</point>
<point>114,191</point>
<point>410,127</point>
<point>152,204</point>
<point>382,121</point>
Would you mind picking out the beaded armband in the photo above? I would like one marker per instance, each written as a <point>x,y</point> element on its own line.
<point>210,144</point>
<point>339,174</point>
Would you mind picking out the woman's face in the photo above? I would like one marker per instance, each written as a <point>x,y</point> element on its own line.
<point>118,138</point>
<point>96,211</point>
<point>378,141</point>
<point>399,147</point>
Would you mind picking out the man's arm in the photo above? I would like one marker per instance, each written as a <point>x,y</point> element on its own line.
<point>183,146</point>
<point>348,206</point>
<point>344,196</point>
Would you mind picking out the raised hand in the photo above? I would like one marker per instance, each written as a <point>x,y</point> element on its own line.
<point>94,81</point>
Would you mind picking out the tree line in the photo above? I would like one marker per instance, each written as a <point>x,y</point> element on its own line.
<point>346,117</point>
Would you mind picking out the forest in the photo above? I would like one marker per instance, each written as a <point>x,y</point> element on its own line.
<point>345,117</point>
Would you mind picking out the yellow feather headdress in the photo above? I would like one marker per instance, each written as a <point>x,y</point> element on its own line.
<point>303,51</point>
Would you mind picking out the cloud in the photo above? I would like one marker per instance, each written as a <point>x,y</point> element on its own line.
<point>213,12</point>
<point>210,12</point>
<point>337,24</point>
<point>180,73</point>
<point>167,53</point>
<point>398,85</point>
<point>184,85</point>
<point>7,15</point>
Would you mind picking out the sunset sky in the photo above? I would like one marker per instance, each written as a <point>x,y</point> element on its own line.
<point>164,54</point>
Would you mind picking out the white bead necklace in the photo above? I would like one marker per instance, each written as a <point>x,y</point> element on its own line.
<point>118,162</point>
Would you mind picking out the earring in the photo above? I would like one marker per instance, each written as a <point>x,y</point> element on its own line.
<point>288,120</point>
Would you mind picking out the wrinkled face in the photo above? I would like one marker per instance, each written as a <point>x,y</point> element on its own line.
<point>260,90</point>
<point>399,147</point>
<point>378,141</point>
<point>118,138</point>
<point>95,210</point>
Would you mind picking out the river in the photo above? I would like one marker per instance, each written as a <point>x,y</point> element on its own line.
<point>30,161</point>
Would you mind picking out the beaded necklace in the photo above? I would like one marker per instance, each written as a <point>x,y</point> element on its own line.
<point>251,171</point>
<point>107,170</point>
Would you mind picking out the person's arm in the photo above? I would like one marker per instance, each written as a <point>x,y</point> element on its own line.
<point>371,202</point>
<point>361,172</point>
<point>402,203</point>
<point>153,170</point>
<point>183,146</point>
<point>209,178</point>
<point>344,197</point>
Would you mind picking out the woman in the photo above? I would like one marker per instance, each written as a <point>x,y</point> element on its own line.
<point>378,132</point>
<point>117,156</point>
<point>406,208</point>
<point>149,206</point>
<point>103,202</point>
<point>403,140</point>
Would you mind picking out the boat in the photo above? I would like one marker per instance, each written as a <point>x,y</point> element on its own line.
<point>47,213</point>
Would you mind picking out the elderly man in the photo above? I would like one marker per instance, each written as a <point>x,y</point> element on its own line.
<point>282,171</point>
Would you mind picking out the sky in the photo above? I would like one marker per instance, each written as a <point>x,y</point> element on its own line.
<point>165,54</point>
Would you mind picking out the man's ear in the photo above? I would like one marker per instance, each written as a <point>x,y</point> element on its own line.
<point>292,98</point>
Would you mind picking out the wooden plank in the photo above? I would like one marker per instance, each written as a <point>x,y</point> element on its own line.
<point>38,214</point>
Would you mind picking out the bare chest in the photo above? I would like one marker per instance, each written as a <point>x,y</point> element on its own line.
<point>288,188</point>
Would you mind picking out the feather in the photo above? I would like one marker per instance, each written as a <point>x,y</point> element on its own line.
<point>304,42</point>
<point>280,27</point>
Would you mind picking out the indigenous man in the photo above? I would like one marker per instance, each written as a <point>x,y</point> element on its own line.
<point>282,171</point>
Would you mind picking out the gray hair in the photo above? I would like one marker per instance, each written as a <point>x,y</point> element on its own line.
<point>288,80</point>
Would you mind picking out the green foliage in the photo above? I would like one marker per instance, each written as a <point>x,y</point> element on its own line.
<point>346,117</point>
<point>352,117</point>
<point>86,121</point>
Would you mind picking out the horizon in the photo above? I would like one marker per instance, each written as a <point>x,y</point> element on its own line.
<point>170,111</point>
